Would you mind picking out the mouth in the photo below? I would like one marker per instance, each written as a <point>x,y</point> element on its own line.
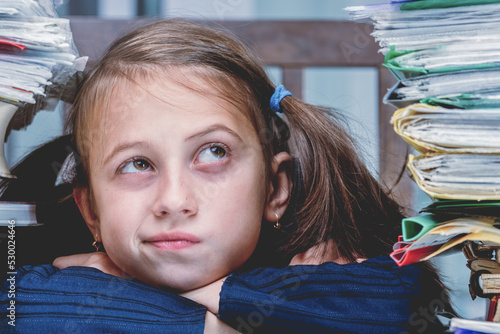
<point>173,241</point>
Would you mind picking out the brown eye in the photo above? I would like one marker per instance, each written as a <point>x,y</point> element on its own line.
<point>136,166</point>
<point>218,151</point>
<point>141,165</point>
<point>212,154</point>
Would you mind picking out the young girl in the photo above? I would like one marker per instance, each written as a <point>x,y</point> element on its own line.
<point>193,166</point>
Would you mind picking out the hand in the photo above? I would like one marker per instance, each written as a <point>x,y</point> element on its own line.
<point>98,260</point>
<point>207,295</point>
<point>214,325</point>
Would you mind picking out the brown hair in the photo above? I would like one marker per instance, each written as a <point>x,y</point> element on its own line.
<point>335,197</point>
<point>339,199</point>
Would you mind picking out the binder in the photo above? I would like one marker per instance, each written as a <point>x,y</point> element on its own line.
<point>444,236</point>
<point>431,129</point>
<point>457,176</point>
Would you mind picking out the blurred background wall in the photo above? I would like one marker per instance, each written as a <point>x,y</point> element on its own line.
<point>352,90</point>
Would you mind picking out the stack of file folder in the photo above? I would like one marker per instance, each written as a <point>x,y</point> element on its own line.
<point>38,61</point>
<point>38,64</point>
<point>446,57</point>
<point>36,50</point>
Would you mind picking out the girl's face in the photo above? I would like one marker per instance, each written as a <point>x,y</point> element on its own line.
<point>178,187</point>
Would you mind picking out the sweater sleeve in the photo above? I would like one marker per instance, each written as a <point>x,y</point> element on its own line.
<point>372,297</point>
<point>81,299</point>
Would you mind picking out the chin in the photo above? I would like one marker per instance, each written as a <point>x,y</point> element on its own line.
<point>179,284</point>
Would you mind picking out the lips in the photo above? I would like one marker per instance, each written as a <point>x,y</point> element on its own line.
<point>173,241</point>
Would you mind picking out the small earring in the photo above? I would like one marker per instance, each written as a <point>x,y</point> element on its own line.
<point>277,225</point>
<point>96,244</point>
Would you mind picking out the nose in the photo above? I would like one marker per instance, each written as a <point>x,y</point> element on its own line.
<point>175,196</point>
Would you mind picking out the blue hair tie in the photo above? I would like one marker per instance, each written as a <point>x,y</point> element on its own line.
<point>279,93</point>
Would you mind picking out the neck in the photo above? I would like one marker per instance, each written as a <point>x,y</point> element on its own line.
<point>324,252</point>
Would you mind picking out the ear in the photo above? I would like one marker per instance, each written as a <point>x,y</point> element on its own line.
<point>280,187</point>
<point>81,194</point>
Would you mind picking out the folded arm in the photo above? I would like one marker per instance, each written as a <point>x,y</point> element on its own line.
<point>203,296</point>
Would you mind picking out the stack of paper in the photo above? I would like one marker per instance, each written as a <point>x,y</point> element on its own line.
<point>36,50</point>
<point>448,224</point>
<point>431,129</point>
<point>447,36</point>
<point>446,56</point>
<point>37,60</point>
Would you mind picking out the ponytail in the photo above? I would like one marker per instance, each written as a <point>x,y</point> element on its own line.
<point>341,200</point>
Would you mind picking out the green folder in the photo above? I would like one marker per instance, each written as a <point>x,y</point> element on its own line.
<point>415,227</point>
<point>430,4</point>
<point>411,63</point>
<point>464,208</point>
<point>477,100</point>
<point>443,211</point>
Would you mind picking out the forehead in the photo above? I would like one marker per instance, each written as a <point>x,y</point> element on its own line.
<point>179,88</point>
<point>178,100</point>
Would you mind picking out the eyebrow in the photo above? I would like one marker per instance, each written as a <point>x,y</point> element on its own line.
<point>121,148</point>
<point>214,128</point>
<point>210,129</point>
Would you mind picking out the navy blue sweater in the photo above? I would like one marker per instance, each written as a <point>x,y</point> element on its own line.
<point>375,296</point>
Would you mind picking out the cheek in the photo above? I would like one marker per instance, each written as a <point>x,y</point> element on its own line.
<point>114,213</point>
<point>119,220</point>
<point>242,206</point>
